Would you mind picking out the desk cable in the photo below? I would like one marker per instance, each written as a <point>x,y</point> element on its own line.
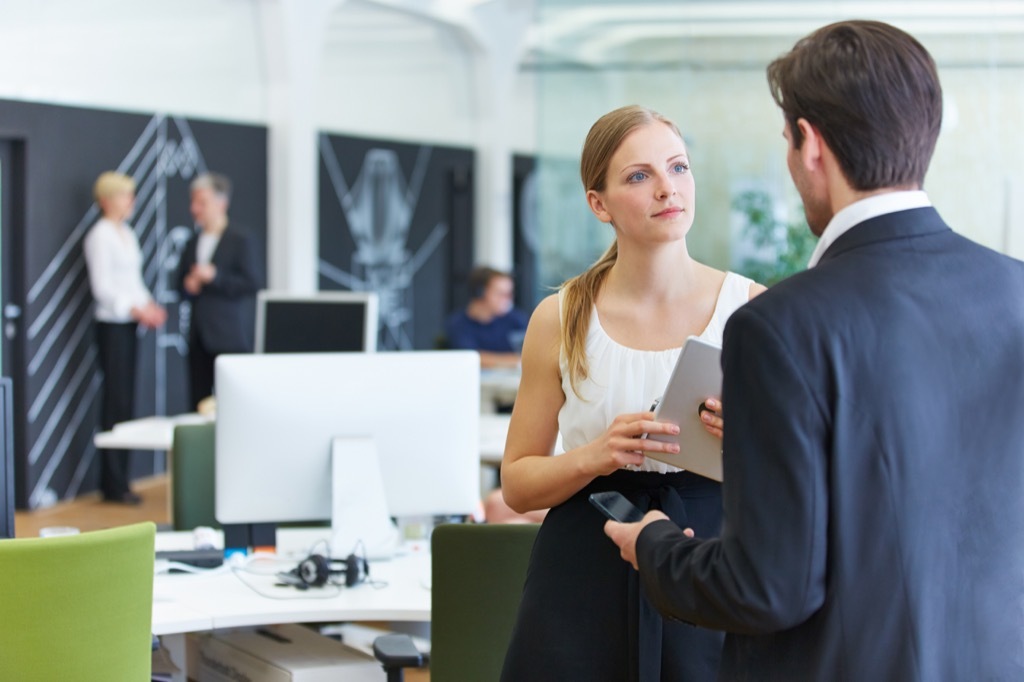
<point>286,581</point>
<point>240,565</point>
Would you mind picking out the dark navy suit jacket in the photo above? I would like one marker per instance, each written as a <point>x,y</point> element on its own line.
<point>873,469</point>
<point>223,314</point>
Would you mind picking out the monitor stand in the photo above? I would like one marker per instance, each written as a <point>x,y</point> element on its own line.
<point>360,523</point>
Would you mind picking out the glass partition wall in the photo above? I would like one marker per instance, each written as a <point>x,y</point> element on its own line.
<point>703,65</point>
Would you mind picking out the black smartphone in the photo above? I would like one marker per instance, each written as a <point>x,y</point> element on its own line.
<point>616,507</point>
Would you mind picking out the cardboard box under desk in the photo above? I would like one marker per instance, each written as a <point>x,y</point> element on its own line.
<point>276,653</point>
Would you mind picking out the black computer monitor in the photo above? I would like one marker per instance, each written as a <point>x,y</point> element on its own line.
<point>325,322</point>
<point>6,459</point>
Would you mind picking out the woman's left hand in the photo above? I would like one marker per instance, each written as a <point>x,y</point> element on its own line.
<point>712,416</point>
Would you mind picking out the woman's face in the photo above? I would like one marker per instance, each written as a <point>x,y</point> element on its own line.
<point>649,191</point>
<point>118,206</point>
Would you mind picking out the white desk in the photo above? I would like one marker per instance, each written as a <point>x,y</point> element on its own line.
<point>147,433</point>
<point>398,590</point>
<point>170,617</point>
<point>157,433</point>
<point>493,432</point>
<point>498,387</point>
<point>233,597</point>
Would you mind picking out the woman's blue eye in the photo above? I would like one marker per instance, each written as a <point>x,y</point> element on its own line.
<point>636,177</point>
<point>680,167</point>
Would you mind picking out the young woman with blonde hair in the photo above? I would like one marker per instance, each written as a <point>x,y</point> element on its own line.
<point>595,357</point>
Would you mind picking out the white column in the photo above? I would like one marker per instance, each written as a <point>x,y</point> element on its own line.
<point>1013,218</point>
<point>500,31</point>
<point>293,40</point>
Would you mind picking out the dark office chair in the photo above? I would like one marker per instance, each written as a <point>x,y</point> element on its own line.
<point>477,579</point>
<point>192,476</point>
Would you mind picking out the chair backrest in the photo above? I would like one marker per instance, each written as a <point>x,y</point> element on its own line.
<point>476,583</point>
<point>78,607</point>
<point>192,476</point>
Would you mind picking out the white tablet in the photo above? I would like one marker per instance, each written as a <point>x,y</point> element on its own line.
<point>696,377</point>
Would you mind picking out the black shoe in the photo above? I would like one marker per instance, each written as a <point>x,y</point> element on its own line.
<point>128,498</point>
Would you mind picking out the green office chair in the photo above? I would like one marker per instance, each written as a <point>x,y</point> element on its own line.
<point>477,579</point>
<point>78,607</point>
<point>192,476</point>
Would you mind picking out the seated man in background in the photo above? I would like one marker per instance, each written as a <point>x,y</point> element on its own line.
<point>492,326</point>
<point>489,324</point>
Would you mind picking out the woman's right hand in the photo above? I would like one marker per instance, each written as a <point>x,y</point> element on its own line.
<point>621,444</point>
<point>150,315</point>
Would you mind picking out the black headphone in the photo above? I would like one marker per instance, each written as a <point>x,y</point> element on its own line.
<point>316,570</point>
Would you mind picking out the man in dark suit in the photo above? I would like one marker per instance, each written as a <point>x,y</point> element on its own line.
<point>219,274</point>
<point>874,411</point>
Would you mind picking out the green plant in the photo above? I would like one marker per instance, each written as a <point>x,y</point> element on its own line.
<point>791,242</point>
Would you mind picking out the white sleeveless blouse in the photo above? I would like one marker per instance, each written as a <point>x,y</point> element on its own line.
<point>623,380</point>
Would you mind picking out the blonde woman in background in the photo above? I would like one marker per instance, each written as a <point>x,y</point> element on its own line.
<point>123,303</point>
<point>595,357</point>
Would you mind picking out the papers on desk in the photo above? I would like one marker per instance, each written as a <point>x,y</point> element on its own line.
<point>177,540</point>
<point>147,433</point>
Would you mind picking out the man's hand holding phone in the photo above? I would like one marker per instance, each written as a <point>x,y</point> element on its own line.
<point>625,522</point>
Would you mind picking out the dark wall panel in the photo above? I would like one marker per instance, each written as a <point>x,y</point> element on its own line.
<point>397,219</point>
<point>526,231</point>
<point>57,384</point>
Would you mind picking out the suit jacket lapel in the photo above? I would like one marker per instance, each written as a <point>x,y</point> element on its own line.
<point>218,250</point>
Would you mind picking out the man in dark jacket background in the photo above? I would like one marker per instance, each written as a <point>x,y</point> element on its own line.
<point>218,273</point>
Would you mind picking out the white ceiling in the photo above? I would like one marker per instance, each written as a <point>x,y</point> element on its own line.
<point>209,57</point>
<point>695,32</point>
<point>620,34</point>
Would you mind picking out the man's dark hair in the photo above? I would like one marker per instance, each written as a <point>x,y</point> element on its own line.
<point>480,277</point>
<point>873,93</point>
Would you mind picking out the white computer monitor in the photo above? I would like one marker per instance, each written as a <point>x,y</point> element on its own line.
<point>323,322</point>
<point>278,414</point>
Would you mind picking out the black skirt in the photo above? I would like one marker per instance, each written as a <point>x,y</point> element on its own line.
<point>583,614</point>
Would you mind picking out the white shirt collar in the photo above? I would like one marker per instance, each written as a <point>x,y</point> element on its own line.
<point>206,246</point>
<point>864,209</point>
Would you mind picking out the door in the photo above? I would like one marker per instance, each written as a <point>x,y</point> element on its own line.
<point>12,215</point>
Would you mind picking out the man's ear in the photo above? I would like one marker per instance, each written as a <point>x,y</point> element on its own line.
<point>811,150</point>
<point>596,204</point>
